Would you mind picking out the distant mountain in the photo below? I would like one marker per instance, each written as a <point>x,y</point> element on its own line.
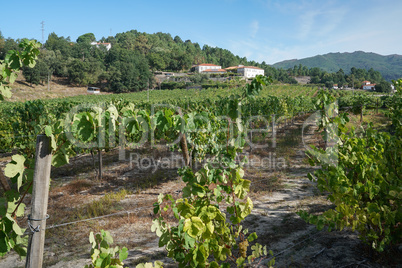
<point>389,66</point>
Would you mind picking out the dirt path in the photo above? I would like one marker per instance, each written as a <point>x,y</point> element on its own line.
<point>294,242</point>
<point>277,194</point>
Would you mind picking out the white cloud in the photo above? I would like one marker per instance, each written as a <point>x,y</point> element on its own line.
<point>306,23</point>
<point>254,26</point>
<point>321,21</point>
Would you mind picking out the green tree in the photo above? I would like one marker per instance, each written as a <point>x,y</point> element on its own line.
<point>76,72</point>
<point>82,50</point>
<point>128,71</point>
<point>329,84</point>
<point>156,61</point>
<point>2,46</point>
<point>199,78</point>
<point>141,44</point>
<point>374,76</point>
<point>61,44</point>
<point>13,62</point>
<point>86,38</point>
<point>37,74</point>
<point>315,72</point>
<point>383,86</point>
<point>84,72</point>
<point>126,40</point>
<point>351,79</point>
<point>178,40</point>
<point>55,62</point>
<point>8,45</point>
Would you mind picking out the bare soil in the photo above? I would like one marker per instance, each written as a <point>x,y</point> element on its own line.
<point>57,88</point>
<point>279,189</point>
<point>303,79</point>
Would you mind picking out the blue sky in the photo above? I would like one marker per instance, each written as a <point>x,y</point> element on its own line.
<point>261,30</point>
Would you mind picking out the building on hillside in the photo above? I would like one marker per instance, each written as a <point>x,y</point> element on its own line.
<point>369,86</point>
<point>335,86</point>
<point>366,83</point>
<point>247,71</point>
<point>107,45</point>
<point>233,68</point>
<point>206,66</point>
<point>214,71</point>
<point>250,71</point>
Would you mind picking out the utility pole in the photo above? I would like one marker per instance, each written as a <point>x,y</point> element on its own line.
<point>43,33</point>
<point>48,81</point>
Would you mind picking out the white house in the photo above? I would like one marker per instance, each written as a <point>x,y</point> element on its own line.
<point>107,45</point>
<point>249,71</point>
<point>206,66</point>
<point>369,86</point>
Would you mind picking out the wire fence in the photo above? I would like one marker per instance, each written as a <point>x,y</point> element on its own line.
<point>128,212</point>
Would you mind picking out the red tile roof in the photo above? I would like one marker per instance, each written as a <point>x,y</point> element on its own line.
<point>250,67</point>
<point>232,68</point>
<point>206,64</point>
<point>214,70</point>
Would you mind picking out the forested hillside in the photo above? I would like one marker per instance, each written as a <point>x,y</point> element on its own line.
<point>354,78</point>
<point>389,66</point>
<point>127,62</point>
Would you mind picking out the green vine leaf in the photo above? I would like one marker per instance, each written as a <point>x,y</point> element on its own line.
<point>194,227</point>
<point>16,168</point>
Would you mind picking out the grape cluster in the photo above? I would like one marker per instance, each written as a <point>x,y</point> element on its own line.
<point>243,248</point>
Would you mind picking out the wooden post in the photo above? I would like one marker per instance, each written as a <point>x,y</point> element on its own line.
<point>361,114</point>
<point>48,81</point>
<point>273,132</point>
<point>184,149</point>
<point>183,144</point>
<point>40,195</point>
<point>251,134</point>
<point>100,163</point>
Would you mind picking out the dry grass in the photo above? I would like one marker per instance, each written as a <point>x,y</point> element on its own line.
<point>105,205</point>
<point>58,88</point>
<point>75,186</point>
<point>263,183</point>
<point>379,120</point>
